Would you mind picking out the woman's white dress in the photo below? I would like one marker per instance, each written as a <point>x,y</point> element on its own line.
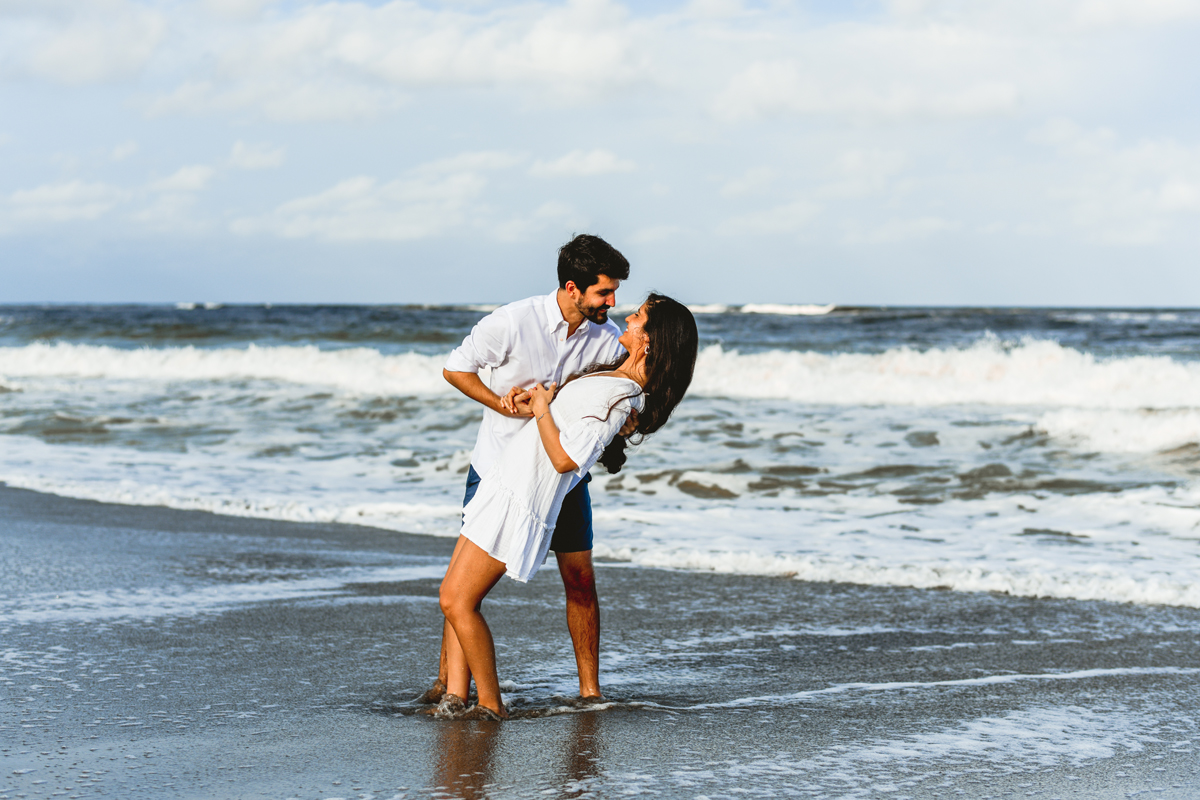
<point>515,508</point>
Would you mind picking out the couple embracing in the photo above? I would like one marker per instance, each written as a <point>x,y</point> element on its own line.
<point>579,388</point>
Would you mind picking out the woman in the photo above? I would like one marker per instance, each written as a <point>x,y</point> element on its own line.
<point>508,524</point>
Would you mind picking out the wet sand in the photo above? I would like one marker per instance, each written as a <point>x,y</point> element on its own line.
<point>150,653</point>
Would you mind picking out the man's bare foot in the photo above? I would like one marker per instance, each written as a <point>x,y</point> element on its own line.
<point>433,695</point>
<point>591,700</point>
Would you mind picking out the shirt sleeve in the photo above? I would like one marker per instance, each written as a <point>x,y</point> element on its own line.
<point>487,345</point>
<point>585,439</point>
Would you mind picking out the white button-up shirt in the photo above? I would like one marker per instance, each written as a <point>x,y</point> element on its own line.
<point>525,343</point>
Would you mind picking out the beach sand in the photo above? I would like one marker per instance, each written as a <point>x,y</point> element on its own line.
<point>152,653</point>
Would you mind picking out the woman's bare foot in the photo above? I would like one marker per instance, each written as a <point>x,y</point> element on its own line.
<point>483,712</point>
<point>451,707</point>
<point>433,695</point>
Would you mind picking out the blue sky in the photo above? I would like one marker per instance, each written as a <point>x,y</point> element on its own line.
<point>904,152</point>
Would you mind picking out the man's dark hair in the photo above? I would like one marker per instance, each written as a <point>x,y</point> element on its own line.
<point>585,258</point>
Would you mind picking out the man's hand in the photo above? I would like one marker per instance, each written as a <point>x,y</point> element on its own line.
<point>521,404</point>
<point>630,424</point>
<point>516,402</point>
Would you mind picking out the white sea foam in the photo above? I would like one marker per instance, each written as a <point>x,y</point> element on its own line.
<point>1036,373</point>
<point>1134,546</point>
<point>429,518</point>
<point>983,680</point>
<point>1045,580</point>
<point>1141,430</point>
<point>174,601</point>
<point>805,309</point>
<point>358,370</point>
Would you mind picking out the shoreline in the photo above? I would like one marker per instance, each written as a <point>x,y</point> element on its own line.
<point>786,570</point>
<point>287,664</point>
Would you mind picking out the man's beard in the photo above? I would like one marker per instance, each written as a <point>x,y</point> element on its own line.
<point>596,314</point>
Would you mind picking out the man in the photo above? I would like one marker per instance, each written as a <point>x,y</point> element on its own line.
<point>545,340</point>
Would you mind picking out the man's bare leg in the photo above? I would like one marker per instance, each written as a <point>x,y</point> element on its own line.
<point>583,617</point>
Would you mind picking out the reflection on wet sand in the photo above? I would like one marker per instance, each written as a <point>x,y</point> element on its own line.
<point>465,767</point>
<point>464,764</point>
<point>581,755</point>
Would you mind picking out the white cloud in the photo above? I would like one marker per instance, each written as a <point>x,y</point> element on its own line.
<point>185,179</point>
<point>657,233</point>
<point>902,230</point>
<point>475,161</point>
<point>1137,193</point>
<point>283,98</point>
<point>554,214</point>
<point>168,202</point>
<point>237,9</point>
<point>361,209</point>
<point>171,212</point>
<point>1111,13</point>
<point>894,122</point>
<point>769,88</point>
<point>429,201</point>
<point>353,60</point>
<point>864,172</point>
<point>75,43</point>
<point>256,156</point>
<point>787,218</point>
<point>1047,16</point>
<point>750,182</point>
<point>64,202</point>
<point>123,151</point>
<point>582,164</point>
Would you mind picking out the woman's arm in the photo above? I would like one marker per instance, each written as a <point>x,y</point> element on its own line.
<point>539,403</point>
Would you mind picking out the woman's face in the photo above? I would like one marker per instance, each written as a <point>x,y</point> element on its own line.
<point>634,335</point>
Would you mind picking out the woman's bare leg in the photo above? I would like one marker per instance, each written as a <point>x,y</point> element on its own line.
<point>471,575</point>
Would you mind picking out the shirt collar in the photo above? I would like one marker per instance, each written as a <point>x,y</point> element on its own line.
<point>555,319</point>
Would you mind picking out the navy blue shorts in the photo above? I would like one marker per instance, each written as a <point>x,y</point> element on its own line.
<point>573,533</point>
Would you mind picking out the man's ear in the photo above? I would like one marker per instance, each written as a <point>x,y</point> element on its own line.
<point>571,288</point>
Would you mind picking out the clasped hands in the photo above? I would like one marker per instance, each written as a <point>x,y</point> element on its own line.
<point>536,400</point>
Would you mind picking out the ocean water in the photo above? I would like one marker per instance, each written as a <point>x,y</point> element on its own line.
<point>1038,452</point>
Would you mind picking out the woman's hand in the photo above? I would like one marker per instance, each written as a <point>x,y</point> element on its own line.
<point>540,397</point>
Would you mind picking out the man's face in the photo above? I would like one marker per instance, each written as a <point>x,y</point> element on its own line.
<point>595,302</point>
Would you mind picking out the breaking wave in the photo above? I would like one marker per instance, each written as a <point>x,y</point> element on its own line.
<point>1034,373</point>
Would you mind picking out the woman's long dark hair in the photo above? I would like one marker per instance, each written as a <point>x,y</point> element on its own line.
<point>670,362</point>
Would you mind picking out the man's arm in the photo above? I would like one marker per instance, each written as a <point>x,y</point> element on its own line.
<point>470,384</point>
<point>486,346</point>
